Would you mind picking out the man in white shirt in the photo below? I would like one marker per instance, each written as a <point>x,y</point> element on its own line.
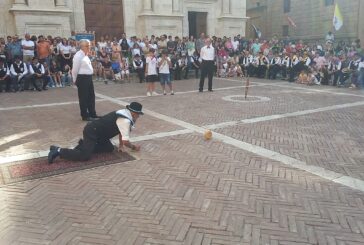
<point>82,72</point>
<point>97,135</point>
<point>207,55</point>
<point>36,75</point>
<point>18,71</point>
<point>28,49</point>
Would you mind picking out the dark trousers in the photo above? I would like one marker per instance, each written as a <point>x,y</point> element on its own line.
<point>261,70</point>
<point>5,84</point>
<point>273,71</point>
<point>140,73</point>
<point>86,95</point>
<point>207,69</point>
<point>86,147</point>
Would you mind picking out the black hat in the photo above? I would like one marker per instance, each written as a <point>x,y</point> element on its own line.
<point>135,107</point>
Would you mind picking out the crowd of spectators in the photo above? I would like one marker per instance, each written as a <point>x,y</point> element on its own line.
<point>37,63</point>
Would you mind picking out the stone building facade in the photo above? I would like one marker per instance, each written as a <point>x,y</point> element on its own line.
<point>312,17</point>
<point>135,17</point>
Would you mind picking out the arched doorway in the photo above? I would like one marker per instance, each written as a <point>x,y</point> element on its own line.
<point>105,17</point>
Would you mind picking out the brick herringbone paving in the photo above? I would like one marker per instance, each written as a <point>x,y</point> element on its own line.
<point>59,125</point>
<point>332,140</point>
<point>183,190</point>
<point>209,108</point>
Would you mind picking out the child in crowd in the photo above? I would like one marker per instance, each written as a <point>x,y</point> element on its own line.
<point>164,64</point>
<point>139,67</point>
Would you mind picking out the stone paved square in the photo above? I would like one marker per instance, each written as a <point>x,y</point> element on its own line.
<point>284,171</point>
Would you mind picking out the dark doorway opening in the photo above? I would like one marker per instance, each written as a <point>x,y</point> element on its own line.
<point>197,23</point>
<point>105,17</point>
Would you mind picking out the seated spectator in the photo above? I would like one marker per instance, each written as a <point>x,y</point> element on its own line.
<point>66,76</point>
<point>18,72</point>
<point>125,73</point>
<point>107,71</point>
<point>195,60</point>
<point>55,73</point>
<point>36,75</point>
<point>5,80</point>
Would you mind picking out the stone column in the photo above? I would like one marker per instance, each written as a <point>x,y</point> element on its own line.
<point>226,7</point>
<point>148,5</point>
<point>20,2</point>
<point>175,5</point>
<point>60,3</point>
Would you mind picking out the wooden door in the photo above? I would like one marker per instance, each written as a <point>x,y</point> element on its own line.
<point>105,17</point>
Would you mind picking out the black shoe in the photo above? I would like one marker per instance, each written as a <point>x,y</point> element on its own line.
<point>53,153</point>
<point>210,90</point>
<point>200,90</point>
<point>89,119</point>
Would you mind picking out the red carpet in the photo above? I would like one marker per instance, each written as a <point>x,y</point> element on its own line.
<point>39,167</point>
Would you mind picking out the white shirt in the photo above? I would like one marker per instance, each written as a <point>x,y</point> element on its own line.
<point>28,43</point>
<point>31,70</point>
<point>140,66</point>
<point>65,49</point>
<point>102,45</point>
<point>81,65</point>
<point>235,45</point>
<point>207,53</point>
<point>361,65</point>
<point>164,68</point>
<point>13,72</point>
<point>124,123</point>
<point>152,65</point>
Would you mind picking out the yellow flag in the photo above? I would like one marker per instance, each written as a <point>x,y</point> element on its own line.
<point>338,20</point>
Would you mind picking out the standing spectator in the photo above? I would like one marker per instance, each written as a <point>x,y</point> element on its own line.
<point>330,37</point>
<point>124,45</point>
<point>171,45</point>
<point>164,63</point>
<point>14,50</point>
<point>28,49</point>
<point>65,54</point>
<point>207,67</point>
<point>5,80</point>
<point>200,42</point>
<point>151,73</point>
<point>255,49</point>
<point>139,67</point>
<point>162,43</point>
<point>102,43</point>
<point>82,75</point>
<point>191,48</point>
<point>43,50</point>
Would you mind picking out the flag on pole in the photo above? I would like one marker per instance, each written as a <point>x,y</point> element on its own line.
<point>257,31</point>
<point>291,22</point>
<point>338,20</point>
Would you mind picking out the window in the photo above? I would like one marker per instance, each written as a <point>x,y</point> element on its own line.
<point>286,6</point>
<point>329,2</point>
<point>285,30</point>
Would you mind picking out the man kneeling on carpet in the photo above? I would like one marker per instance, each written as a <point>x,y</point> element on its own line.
<point>97,135</point>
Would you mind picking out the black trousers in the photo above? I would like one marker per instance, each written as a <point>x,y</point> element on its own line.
<point>141,75</point>
<point>261,70</point>
<point>86,147</point>
<point>86,95</point>
<point>5,84</point>
<point>207,69</point>
<point>273,71</point>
